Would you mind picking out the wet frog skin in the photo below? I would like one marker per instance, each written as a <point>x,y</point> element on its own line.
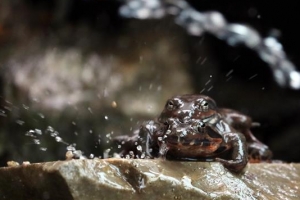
<point>192,128</point>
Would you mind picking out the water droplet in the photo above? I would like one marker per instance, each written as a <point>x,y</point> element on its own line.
<point>38,131</point>
<point>8,108</point>
<point>58,139</point>
<point>105,93</point>
<point>54,134</point>
<point>36,141</point>
<point>43,148</point>
<point>113,104</point>
<point>49,129</point>
<point>149,107</point>
<point>203,61</point>
<point>253,76</point>
<point>106,153</point>
<point>78,154</point>
<point>41,115</point>
<point>25,107</point>
<point>20,122</point>
<point>30,133</point>
<point>230,77</point>
<point>209,89</point>
<point>150,86</point>
<point>159,88</point>
<point>3,115</point>
<point>139,148</point>
<point>228,73</point>
<point>163,149</point>
<point>106,117</point>
<point>90,110</point>
<point>35,100</point>
<point>208,82</point>
<point>70,148</point>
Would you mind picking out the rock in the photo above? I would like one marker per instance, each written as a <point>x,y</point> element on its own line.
<point>147,179</point>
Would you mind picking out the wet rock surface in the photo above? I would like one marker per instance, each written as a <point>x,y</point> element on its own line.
<point>148,179</point>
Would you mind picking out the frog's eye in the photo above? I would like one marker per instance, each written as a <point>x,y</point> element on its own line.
<point>204,106</point>
<point>201,127</point>
<point>170,105</point>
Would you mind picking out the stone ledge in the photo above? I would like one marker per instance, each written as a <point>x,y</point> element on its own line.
<point>148,179</point>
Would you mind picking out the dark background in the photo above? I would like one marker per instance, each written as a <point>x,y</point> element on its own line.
<point>276,108</point>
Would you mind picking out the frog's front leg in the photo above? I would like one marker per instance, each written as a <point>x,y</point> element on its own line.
<point>237,142</point>
<point>147,133</point>
<point>257,151</point>
<point>139,143</point>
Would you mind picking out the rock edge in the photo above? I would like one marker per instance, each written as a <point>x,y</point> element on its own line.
<point>148,179</point>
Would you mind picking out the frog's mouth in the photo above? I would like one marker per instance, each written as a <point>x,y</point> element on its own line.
<point>193,140</point>
<point>209,118</point>
<point>194,133</point>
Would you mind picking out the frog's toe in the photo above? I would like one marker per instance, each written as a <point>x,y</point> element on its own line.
<point>233,165</point>
<point>259,154</point>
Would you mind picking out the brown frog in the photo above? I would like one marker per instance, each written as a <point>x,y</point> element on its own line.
<point>191,127</point>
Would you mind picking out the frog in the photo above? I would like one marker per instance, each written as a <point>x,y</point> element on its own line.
<point>192,128</point>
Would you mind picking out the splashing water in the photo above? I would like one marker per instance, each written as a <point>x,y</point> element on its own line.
<point>72,152</point>
<point>196,23</point>
<point>163,149</point>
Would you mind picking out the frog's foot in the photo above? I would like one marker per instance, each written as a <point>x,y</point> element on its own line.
<point>258,152</point>
<point>233,165</point>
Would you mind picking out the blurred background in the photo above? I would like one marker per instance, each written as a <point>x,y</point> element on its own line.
<point>75,71</point>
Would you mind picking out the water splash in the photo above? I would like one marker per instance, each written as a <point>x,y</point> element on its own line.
<point>197,23</point>
<point>163,149</point>
<point>71,151</point>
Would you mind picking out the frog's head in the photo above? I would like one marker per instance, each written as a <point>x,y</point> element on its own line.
<point>185,108</point>
<point>185,118</point>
